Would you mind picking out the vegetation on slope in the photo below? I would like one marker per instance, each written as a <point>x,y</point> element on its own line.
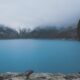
<point>49,32</point>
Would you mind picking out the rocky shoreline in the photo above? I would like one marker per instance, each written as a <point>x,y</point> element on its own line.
<point>39,76</point>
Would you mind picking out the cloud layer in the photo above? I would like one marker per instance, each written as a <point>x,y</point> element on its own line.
<point>31,13</point>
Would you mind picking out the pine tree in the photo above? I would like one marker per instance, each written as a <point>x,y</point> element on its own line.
<point>78,30</point>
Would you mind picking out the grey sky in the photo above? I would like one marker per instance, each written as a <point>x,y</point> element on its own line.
<point>31,13</point>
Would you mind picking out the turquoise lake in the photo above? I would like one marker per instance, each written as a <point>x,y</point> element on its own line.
<point>39,55</point>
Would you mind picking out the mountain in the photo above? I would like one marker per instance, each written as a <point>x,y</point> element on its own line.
<point>6,32</point>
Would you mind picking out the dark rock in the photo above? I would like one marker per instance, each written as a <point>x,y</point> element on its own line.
<point>70,77</point>
<point>8,76</point>
<point>1,78</point>
<point>9,79</point>
<point>28,73</point>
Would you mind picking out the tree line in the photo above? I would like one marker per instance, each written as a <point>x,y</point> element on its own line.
<point>49,32</point>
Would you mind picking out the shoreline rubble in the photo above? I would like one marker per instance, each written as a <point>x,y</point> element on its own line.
<point>39,76</point>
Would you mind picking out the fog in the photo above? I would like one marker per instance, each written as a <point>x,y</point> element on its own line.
<point>31,13</point>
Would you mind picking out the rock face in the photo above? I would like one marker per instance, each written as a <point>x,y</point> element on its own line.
<point>39,76</point>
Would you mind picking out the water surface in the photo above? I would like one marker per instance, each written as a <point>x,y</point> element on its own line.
<point>39,55</point>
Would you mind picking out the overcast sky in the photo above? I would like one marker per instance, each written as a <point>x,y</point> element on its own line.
<point>31,13</point>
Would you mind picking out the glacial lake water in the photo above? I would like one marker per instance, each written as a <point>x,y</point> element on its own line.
<point>39,55</point>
